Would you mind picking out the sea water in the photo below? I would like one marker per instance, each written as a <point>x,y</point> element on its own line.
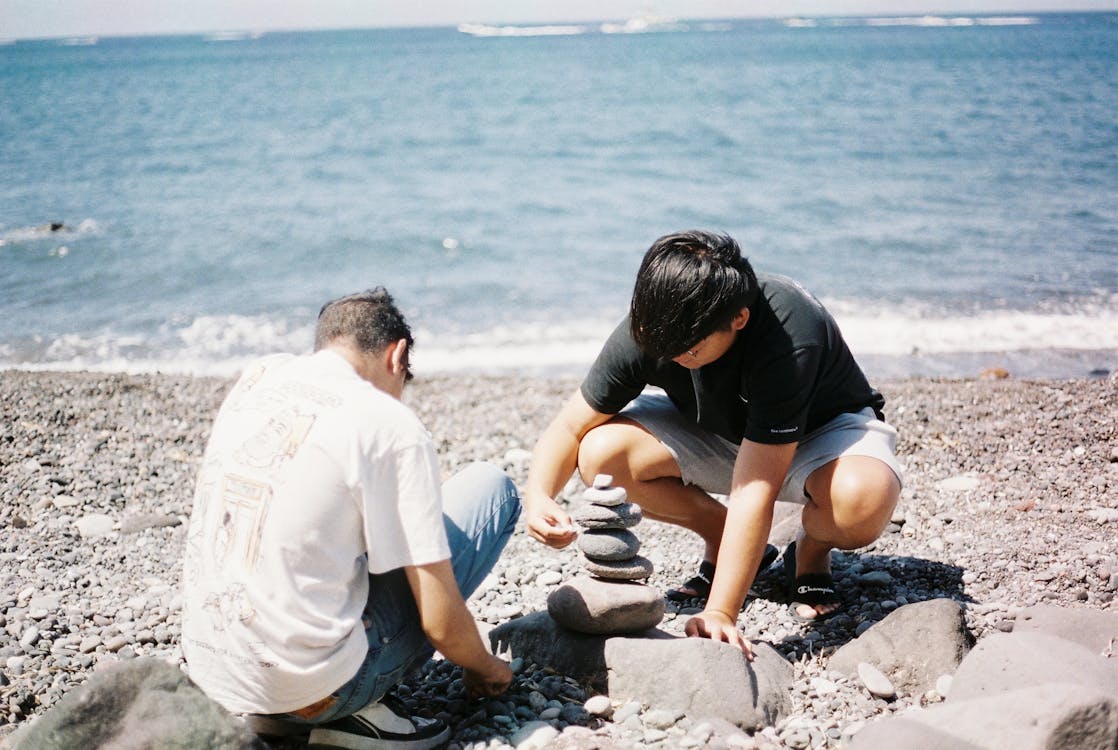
<point>947,186</point>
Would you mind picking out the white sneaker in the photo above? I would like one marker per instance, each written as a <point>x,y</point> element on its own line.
<point>382,725</point>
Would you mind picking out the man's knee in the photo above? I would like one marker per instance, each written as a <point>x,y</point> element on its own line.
<point>859,494</point>
<point>602,451</point>
<point>625,450</point>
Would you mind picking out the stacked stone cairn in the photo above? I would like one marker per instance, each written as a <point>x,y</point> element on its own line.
<point>613,599</point>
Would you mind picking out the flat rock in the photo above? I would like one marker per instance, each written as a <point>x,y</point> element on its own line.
<point>1056,716</point>
<point>701,678</point>
<point>1094,629</point>
<point>591,605</point>
<point>875,682</point>
<point>140,521</point>
<point>94,525</point>
<point>535,735</point>
<point>960,483</point>
<point>609,545</point>
<point>621,516</point>
<point>912,646</point>
<point>698,676</point>
<point>1004,662</point>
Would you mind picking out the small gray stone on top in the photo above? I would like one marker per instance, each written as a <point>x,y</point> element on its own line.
<point>609,545</point>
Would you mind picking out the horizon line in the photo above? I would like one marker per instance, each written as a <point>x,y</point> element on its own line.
<point>260,30</point>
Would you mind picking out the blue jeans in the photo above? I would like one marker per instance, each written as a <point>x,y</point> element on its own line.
<point>480,509</point>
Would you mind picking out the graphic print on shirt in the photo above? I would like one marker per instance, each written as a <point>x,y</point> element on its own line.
<point>228,607</point>
<point>243,514</point>
<point>277,441</point>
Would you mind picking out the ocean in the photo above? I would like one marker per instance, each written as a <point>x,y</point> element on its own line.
<point>947,186</point>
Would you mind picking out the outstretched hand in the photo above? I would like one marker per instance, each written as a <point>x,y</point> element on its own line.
<point>550,524</point>
<point>718,626</point>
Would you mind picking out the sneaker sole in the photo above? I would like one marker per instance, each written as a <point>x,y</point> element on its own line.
<point>330,739</point>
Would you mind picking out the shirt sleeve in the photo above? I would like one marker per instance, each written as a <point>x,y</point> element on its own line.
<point>403,510</point>
<point>780,392</point>
<point>617,375</point>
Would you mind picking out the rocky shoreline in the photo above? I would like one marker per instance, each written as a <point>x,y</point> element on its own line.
<point>1010,501</point>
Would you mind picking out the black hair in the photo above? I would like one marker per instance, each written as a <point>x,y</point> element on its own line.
<point>370,319</point>
<point>690,284</point>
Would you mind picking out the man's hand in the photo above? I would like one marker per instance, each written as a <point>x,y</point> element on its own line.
<point>489,682</point>
<point>548,523</point>
<point>718,626</point>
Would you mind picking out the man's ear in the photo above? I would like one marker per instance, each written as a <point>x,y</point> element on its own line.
<point>397,354</point>
<point>738,322</point>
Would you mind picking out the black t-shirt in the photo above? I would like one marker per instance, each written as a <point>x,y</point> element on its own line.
<point>788,372</point>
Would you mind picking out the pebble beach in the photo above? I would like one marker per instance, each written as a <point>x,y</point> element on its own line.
<point>1010,500</point>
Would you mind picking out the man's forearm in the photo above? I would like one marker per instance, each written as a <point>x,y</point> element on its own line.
<point>553,461</point>
<point>748,522</point>
<point>759,472</point>
<point>444,617</point>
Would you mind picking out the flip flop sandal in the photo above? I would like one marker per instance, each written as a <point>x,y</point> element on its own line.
<point>700,583</point>
<point>810,589</point>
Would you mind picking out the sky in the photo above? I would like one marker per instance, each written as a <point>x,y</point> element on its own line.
<point>21,19</point>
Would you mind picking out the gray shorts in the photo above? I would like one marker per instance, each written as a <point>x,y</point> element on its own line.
<point>707,460</point>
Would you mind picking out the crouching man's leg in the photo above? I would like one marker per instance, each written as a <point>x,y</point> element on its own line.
<point>848,501</point>
<point>480,510</point>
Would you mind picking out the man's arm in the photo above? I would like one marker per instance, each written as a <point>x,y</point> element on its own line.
<point>553,460</point>
<point>451,629</point>
<point>758,474</point>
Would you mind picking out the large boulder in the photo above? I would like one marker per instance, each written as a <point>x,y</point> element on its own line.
<point>913,646</point>
<point>143,703</point>
<point>1056,716</point>
<point>1004,662</point>
<point>701,677</point>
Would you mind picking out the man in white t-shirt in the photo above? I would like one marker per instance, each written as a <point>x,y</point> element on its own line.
<point>324,559</point>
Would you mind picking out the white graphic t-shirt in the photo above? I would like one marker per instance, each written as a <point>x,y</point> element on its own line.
<point>312,479</point>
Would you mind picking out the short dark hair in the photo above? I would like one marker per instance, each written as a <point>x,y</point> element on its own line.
<point>690,284</point>
<point>370,319</point>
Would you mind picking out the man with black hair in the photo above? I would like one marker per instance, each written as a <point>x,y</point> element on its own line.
<point>760,400</point>
<point>324,560</point>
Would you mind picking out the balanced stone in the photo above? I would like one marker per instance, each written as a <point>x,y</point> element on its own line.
<point>609,545</point>
<point>597,607</point>
<point>605,495</point>
<point>623,516</point>
<point>634,569</point>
